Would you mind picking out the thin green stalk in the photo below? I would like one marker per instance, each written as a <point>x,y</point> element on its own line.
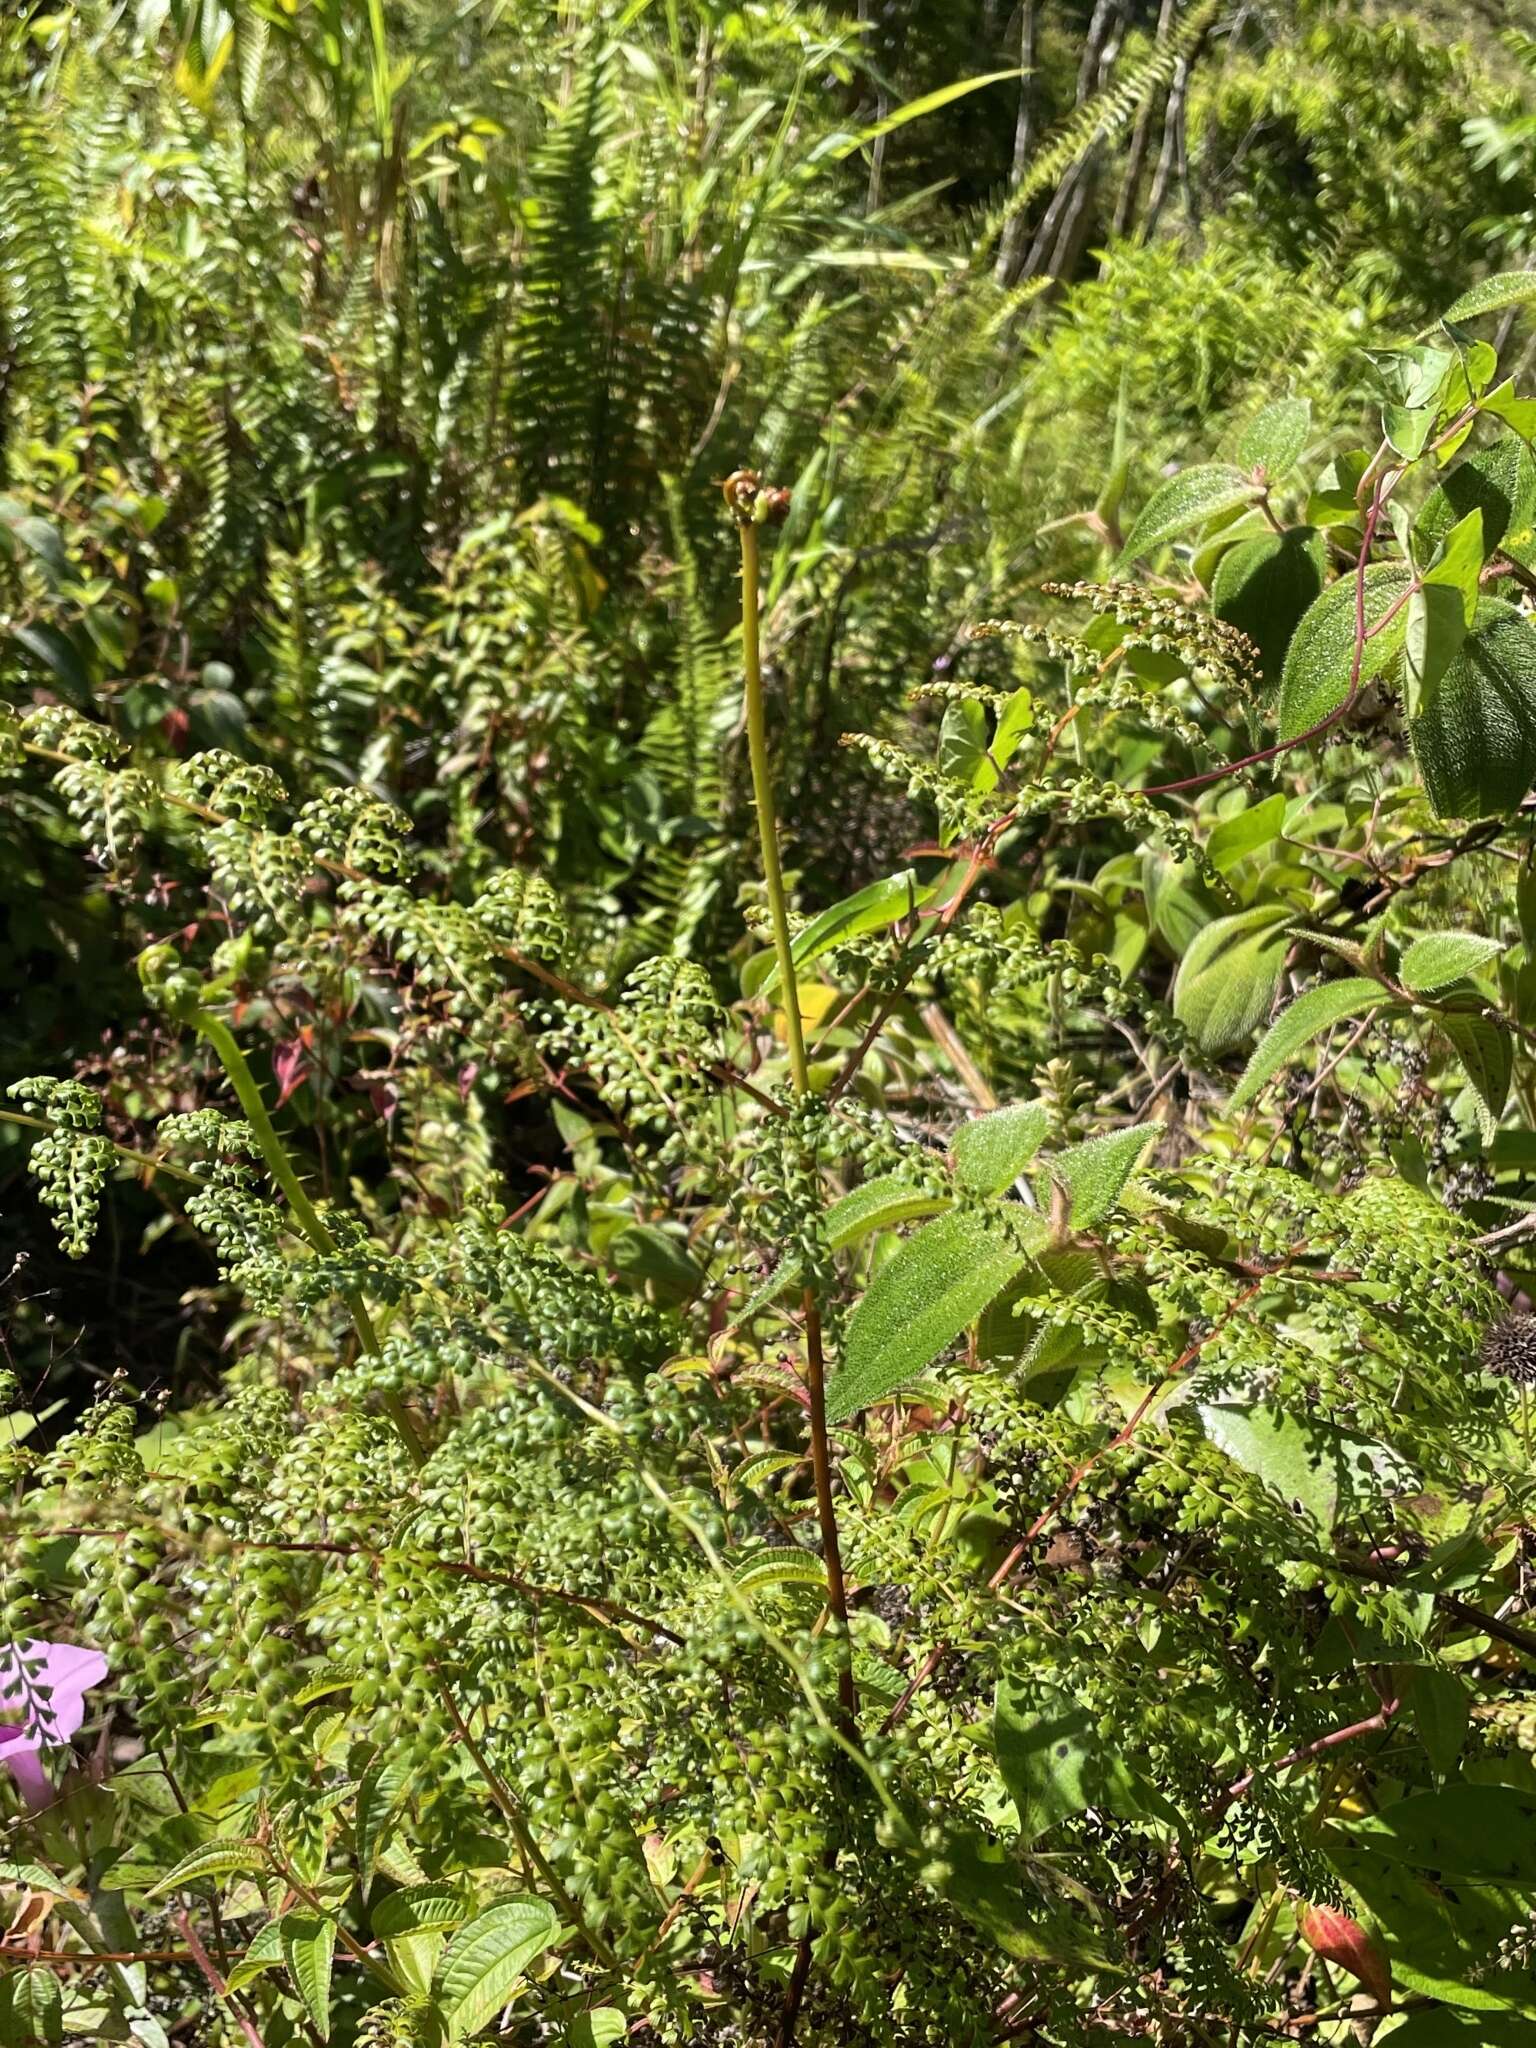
<point>747,503</point>
<point>280,1166</point>
<point>762,796</point>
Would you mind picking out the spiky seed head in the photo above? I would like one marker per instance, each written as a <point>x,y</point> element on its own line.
<point>1509,1348</point>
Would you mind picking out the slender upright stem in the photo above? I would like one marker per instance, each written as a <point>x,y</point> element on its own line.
<point>789,990</point>
<point>762,796</point>
<point>280,1166</point>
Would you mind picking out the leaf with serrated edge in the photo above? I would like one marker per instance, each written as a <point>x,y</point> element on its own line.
<point>1274,437</point>
<point>786,1565</point>
<point>1320,660</point>
<point>880,1204</point>
<point>1493,294</point>
<point>1095,1173</point>
<point>1227,981</point>
<point>1487,1060</point>
<point>309,1947</point>
<point>485,1960</point>
<point>380,1792</point>
<point>218,1859</point>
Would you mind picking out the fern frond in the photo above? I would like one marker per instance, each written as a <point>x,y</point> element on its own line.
<point>1098,120</point>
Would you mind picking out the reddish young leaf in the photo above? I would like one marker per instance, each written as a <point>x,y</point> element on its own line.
<point>288,1061</point>
<point>1338,1939</point>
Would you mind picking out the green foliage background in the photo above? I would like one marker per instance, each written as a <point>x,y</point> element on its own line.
<point>419,1252</point>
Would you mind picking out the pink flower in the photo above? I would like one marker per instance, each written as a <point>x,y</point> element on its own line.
<point>42,1703</point>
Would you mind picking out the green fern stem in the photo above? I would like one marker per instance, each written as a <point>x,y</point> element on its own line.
<point>762,796</point>
<point>743,504</point>
<point>280,1166</point>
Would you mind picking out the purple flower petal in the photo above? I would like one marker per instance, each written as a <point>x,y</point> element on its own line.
<point>20,1759</point>
<point>46,1684</point>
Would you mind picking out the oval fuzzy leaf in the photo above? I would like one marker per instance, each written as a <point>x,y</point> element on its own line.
<point>1320,660</point>
<point>1439,958</point>
<point>1095,1173</point>
<point>485,1960</point>
<point>1188,499</point>
<point>1265,586</point>
<point>1274,438</point>
<point>1302,1021</point>
<point>309,1947</point>
<point>1227,981</point>
<point>1475,733</point>
<point>993,1150</point>
<point>880,1204</point>
<point>1499,481</point>
<point>938,1283</point>
<point>1492,294</point>
<point>871,909</point>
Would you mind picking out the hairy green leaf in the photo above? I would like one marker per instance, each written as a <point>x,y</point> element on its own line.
<point>1274,437</point>
<point>1265,586</point>
<point>991,1151</point>
<point>879,1204</point>
<point>1498,481</point>
<point>1475,730</point>
<point>1486,1055</point>
<point>935,1286</point>
<point>1492,295</point>
<point>1300,1022</point>
<point>1320,661</point>
<point>1439,958</point>
<point>1227,981</point>
<point>1184,501</point>
<point>1096,1172</point>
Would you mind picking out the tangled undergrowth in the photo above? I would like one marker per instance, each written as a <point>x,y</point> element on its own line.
<point>869,1315</point>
